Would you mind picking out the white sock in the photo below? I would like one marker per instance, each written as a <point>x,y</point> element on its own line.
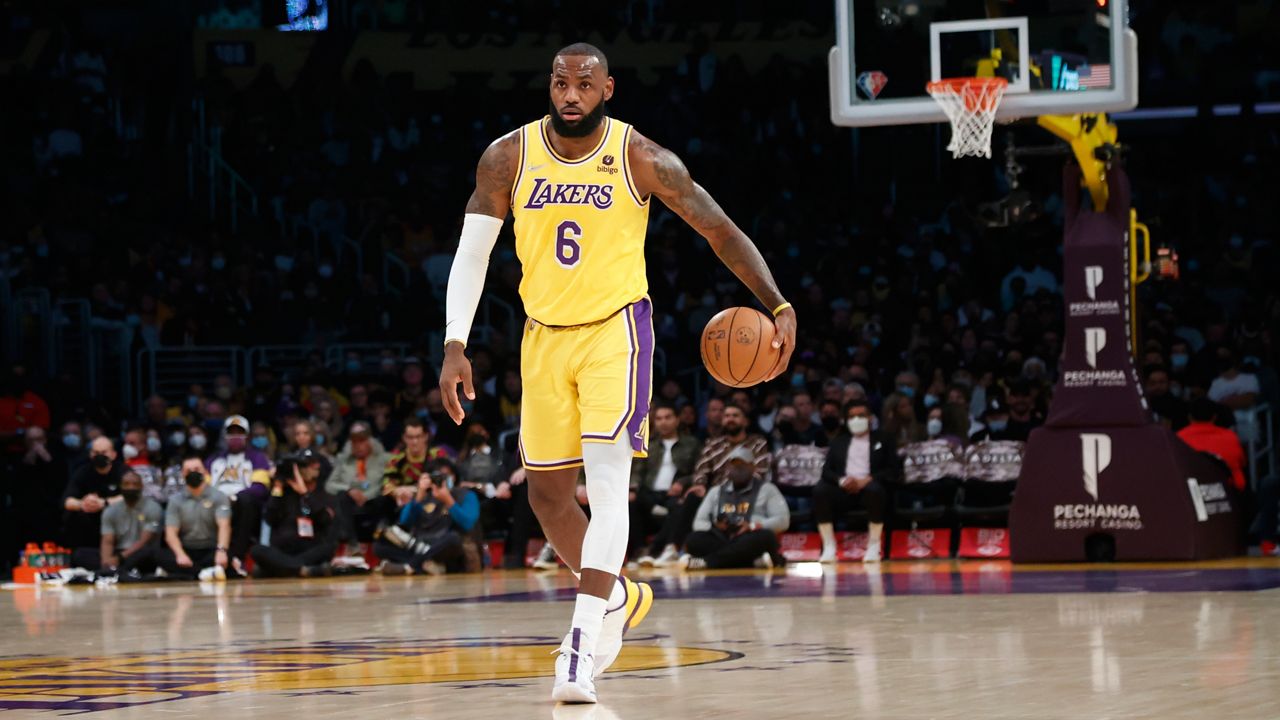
<point>588,616</point>
<point>874,531</point>
<point>828,533</point>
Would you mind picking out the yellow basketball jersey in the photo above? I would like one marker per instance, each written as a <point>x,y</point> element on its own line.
<point>580,227</point>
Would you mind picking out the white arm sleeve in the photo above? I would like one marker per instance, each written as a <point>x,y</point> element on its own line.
<point>466,278</point>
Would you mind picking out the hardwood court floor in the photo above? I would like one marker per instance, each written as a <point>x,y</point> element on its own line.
<point>932,640</point>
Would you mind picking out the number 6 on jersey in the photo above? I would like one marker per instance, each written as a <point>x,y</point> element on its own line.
<point>568,251</point>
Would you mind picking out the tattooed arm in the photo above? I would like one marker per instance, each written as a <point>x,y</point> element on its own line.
<point>495,176</point>
<point>658,171</point>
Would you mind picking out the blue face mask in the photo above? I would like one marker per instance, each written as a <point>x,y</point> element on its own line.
<point>1179,361</point>
<point>261,442</point>
<point>797,380</point>
<point>930,400</point>
<point>319,440</point>
<point>907,390</point>
<point>71,440</point>
<point>192,401</point>
<point>353,366</point>
<point>422,413</point>
<point>998,425</point>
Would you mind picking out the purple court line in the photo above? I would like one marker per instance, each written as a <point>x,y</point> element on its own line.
<point>942,582</point>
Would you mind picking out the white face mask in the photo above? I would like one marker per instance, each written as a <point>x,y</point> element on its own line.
<point>859,425</point>
<point>935,427</point>
<point>130,452</point>
<point>198,442</point>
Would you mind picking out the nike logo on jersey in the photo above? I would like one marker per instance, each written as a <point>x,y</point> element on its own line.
<point>535,168</point>
<point>546,193</point>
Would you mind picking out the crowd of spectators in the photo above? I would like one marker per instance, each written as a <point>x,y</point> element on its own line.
<point>947,327</point>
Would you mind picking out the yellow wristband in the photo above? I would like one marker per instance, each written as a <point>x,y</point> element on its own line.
<point>780,308</point>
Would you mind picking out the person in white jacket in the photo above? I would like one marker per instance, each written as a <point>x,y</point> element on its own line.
<point>739,521</point>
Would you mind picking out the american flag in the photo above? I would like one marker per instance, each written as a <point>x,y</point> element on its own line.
<point>1095,76</point>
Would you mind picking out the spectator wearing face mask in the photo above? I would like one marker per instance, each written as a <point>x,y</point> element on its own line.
<point>130,529</point>
<point>70,448</point>
<point>140,457</point>
<point>949,422</point>
<point>262,439</point>
<point>739,521</point>
<point>859,469</point>
<point>197,527</point>
<point>829,415</point>
<point>711,470</point>
<point>995,421</point>
<point>243,475</point>
<point>87,495</point>
<point>798,424</point>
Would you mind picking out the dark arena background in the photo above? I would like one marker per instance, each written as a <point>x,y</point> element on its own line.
<point>226,232</point>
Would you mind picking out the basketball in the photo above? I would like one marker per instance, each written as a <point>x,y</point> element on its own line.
<point>737,347</point>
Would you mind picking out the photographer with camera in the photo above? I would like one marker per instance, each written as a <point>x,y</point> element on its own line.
<point>301,516</point>
<point>738,523</point>
<point>429,535</point>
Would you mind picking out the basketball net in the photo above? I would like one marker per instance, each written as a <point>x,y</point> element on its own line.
<point>970,104</point>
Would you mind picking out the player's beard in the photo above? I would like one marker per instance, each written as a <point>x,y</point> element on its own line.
<point>586,125</point>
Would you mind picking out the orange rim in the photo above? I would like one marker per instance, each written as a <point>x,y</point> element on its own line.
<point>979,93</point>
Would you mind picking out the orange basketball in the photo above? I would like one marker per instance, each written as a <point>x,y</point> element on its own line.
<point>737,347</point>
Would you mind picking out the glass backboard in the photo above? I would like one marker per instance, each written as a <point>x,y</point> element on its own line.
<point>1061,57</point>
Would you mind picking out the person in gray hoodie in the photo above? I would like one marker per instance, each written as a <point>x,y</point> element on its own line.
<point>739,521</point>
<point>356,479</point>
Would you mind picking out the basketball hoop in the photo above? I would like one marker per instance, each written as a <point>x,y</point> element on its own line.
<point>970,103</point>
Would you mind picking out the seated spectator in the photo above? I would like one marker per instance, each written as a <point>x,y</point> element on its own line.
<point>948,422</point>
<point>1023,415</point>
<point>87,495</point>
<point>130,529</point>
<point>995,420</point>
<point>711,470</point>
<point>428,536</point>
<point>830,416</point>
<point>1168,408</point>
<point>660,480</point>
<point>301,516</point>
<point>197,527</point>
<point>71,448</point>
<point>860,467</point>
<point>409,464</point>
<point>798,423</point>
<point>37,480</point>
<point>1203,435</point>
<point>478,467</point>
<point>142,459</point>
<point>242,474</point>
<point>1235,389</point>
<point>358,478</point>
<point>739,521</point>
<point>302,436</point>
<point>898,420</point>
<point>262,439</point>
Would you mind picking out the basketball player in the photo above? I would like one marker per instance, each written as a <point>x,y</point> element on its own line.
<point>579,184</point>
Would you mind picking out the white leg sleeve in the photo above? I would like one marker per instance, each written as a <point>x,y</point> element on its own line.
<point>608,467</point>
